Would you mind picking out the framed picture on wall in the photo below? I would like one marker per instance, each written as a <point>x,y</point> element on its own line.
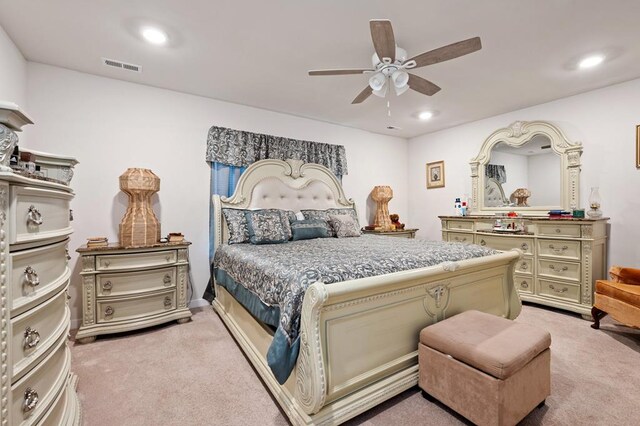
<point>435,175</point>
<point>638,146</point>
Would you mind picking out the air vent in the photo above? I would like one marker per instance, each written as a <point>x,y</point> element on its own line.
<point>393,128</point>
<point>122,65</point>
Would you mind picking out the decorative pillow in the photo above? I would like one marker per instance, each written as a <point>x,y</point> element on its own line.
<point>344,225</point>
<point>237,225</point>
<point>266,226</point>
<point>324,215</point>
<point>309,228</point>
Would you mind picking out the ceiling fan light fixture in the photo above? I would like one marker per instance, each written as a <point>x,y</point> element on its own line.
<point>377,81</point>
<point>400,78</point>
<point>382,92</point>
<point>401,90</point>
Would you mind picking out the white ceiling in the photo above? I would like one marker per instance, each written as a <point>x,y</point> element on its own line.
<point>257,52</point>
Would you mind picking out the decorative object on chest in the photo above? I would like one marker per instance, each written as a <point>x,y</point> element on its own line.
<point>126,288</point>
<point>382,195</point>
<point>37,384</point>
<point>139,227</point>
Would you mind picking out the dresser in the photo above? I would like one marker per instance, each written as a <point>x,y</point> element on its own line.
<point>561,260</point>
<point>401,233</point>
<point>126,289</point>
<point>37,385</point>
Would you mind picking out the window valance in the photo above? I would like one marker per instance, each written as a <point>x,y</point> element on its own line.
<point>240,148</point>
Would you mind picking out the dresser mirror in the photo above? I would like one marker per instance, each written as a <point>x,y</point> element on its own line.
<point>528,167</point>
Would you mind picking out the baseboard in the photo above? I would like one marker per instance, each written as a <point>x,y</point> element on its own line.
<point>196,303</point>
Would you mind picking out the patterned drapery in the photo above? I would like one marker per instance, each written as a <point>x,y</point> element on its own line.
<point>239,148</point>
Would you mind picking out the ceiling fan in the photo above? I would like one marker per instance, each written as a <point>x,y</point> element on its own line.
<point>390,63</point>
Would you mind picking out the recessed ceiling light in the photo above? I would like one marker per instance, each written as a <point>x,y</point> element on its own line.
<point>154,35</point>
<point>591,61</point>
<point>425,115</point>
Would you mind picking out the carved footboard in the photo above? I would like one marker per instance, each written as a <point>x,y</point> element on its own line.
<point>359,338</point>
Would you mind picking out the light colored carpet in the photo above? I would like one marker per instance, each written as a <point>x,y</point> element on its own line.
<point>195,374</point>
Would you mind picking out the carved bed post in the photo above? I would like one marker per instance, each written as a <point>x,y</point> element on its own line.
<point>311,380</point>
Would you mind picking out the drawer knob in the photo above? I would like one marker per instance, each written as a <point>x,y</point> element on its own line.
<point>558,230</point>
<point>31,338</point>
<point>524,266</point>
<point>564,268</point>
<point>524,246</point>
<point>483,243</point>
<point>107,286</point>
<point>167,302</point>
<point>558,250</point>
<point>31,276</point>
<point>562,290</point>
<point>167,279</point>
<point>109,311</point>
<point>34,216</point>
<point>30,400</point>
<point>524,284</point>
<point>66,253</point>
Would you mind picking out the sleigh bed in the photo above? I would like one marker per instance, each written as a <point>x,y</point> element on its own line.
<point>357,338</point>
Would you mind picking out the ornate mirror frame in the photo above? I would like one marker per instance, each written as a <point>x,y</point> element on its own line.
<point>516,135</point>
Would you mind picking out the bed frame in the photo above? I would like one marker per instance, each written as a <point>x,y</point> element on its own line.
<point>358,338</point>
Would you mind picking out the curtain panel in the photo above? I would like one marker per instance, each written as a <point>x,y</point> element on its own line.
<point>239,148</point>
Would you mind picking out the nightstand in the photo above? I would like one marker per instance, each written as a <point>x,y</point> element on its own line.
<point>403,233</point>
<point>130,288</point>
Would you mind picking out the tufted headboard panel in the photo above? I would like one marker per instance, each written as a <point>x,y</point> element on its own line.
<point>276,184</point>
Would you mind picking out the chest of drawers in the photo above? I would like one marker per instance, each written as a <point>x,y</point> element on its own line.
<point>561,260</point>
<point>130,288</point>
<point>37,385</point>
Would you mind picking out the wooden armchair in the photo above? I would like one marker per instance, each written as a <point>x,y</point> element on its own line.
<point>618,297</point>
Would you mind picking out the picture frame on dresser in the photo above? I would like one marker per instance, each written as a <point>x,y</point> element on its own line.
<point>435,174</point>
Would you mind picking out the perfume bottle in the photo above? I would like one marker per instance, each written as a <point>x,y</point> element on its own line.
<point>594,203</point>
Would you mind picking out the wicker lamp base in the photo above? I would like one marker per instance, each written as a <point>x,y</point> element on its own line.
<point>139,227</point>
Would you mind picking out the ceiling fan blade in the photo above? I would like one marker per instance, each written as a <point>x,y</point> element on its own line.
<point>445,53</point>
<point>423,86</point>
<point>363,95</point>
<point>338,72</point>
<point>383,40</point>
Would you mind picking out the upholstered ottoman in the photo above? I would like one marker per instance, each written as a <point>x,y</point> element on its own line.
<point>491,370</point>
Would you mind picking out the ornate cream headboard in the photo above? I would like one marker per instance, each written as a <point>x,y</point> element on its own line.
<point>275,184</point>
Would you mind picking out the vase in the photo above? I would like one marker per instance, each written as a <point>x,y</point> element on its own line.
<point>594,203</point>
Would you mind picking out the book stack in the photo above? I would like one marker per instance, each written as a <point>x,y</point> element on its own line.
<point>559,214</point>
<point>94,242</point>
<point>175,237</point>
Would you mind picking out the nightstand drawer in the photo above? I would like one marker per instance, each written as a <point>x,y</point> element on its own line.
<point>38,214</point>
<point>135,260</point>
<point>113,310</point>
<point>35,331</point>
<point>559,230</point>
<point>37,274</point>
<point>506,242</point>
<point>560,290</point>
<point>40,387</point>
<point>566,249</point>
<point>459,237</point>
<point>126,283</point>
<point>554,269</point>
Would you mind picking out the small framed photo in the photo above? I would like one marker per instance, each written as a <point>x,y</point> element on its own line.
<point>638,146</point>
<point>435,174</point>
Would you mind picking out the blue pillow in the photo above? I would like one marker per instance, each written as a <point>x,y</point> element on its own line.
<point>309,228</point>
<point>266,227</point>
